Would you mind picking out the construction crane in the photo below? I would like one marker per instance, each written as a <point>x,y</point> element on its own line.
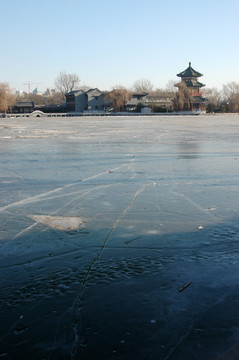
<point>29,85</point>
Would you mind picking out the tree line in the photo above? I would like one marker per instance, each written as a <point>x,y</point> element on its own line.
<point>224,100</point>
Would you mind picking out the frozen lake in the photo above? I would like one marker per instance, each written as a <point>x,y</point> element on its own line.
<point>103,220</point>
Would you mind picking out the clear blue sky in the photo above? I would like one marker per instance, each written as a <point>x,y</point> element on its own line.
<point>116,42</point>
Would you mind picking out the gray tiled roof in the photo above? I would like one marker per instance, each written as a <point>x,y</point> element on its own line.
<point>25,104</point>
<point>75,92</point>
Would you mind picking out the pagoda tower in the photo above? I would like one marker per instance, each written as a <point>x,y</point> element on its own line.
<point>189,94</point>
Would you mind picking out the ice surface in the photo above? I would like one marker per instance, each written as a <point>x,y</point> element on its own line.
<point>103,221</point>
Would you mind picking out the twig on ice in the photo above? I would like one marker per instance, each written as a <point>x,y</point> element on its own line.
<point>185,286</point>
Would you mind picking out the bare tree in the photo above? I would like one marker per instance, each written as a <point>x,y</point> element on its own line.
<point>142,85</point>
<point>231,96</point>
<point>7,99</point>
<point>67,82</point>
<point>55,98</point>
<point>170,86</point>
<point>157,92</point>
<point>183,97</point>
<point>214,99</point>
<point>118,97</point>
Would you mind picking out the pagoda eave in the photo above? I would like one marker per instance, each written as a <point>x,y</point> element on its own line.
<point>198,100</point>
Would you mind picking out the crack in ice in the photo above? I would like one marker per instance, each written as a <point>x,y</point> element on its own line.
<point>76,303</point>
<point>32,199</point>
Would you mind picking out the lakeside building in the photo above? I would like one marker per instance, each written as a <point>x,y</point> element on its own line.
<point>23,107</point>
<point>81,101</point>
<point>190,97</point>
<point>162,102</point>
<point>94,100</point>
<point>135,100</point>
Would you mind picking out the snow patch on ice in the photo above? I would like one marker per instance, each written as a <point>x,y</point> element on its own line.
<point>62,223</point>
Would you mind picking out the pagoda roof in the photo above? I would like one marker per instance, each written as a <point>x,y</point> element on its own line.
<point>190,83</point>
<point>189,72</point>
